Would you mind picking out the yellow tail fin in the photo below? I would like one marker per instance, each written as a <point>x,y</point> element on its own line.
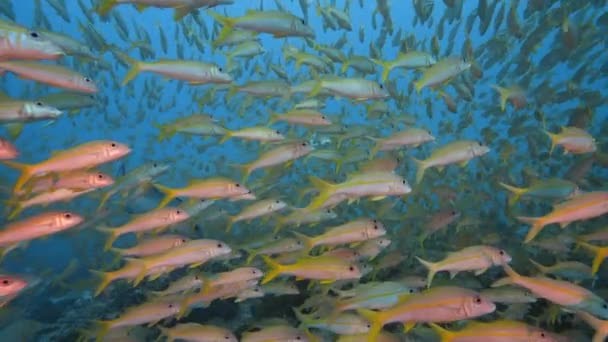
<point>106,6</point>
<point>431,268</point>
<point>169,193</point>
<point>444,335</point>
<point>275,269</point>
<point>537,225</point>
<point>26,173</point>
<point>517,192</point>
<point>134,71</point>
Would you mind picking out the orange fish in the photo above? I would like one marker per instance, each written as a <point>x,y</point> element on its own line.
<point>84,156</point>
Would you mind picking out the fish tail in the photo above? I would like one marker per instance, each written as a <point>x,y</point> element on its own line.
<point>325,191</point>
<point>106,6</point>
<point>318,87</point>
<point>142,272</point>
<point>181,12</point>
<point>376,321</point>
<point>250,256</point>
<point>308,242</point>
<point>421,169</point>
<point>541,268</point>
<point>117,255</point>
<point>553,138</point>
<point>133,71</point>
<point>537,224</point>
<point>231,92</point>
<point>344,67</point>
<point>169,193</point>
<point>165,132</point>
<point>504,95</point>
<point>517,192</point>
<point>230,224</point>
<point>112,236</point>
<point>26,173</point>
<point>226,136</point>
<point>14,130</point>
<point>386,68</point>
<point>103,328</point>
<point>105,277</point>
<point>104,198</point>
<point>418,85</point>
<point>431,268</point>
<point>17,209</point>
<point>275,269</point>
<point>444,335</point>
<point>274,117</point>
<point>224,20</point>
<point>600,255</point>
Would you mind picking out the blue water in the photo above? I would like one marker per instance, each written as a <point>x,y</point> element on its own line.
<point>126,114</point>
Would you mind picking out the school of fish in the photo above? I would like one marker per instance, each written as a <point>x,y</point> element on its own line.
<point>310,170</point>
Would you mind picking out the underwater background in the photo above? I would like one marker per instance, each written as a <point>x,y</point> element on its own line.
<point>512,72</point>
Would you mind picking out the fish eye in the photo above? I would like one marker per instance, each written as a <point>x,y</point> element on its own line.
<point>376,226</point>
<point>298,337</point>
<point>299,242</point>
<point>478,300</point>
<point>170,306</point>
<point>478,143</point>
<point>237,185</point>
<point>303,144</point>
<point>501,252</point>
<point>277,132</point>
<point>100,176</point>
<point>88,80</point>
<point>154,165</point>
<point>542,334</point>
<point>113,145</point>
<point>5,282</point>
<point>351,268</point>
<point>183,240</point>
<point>227,337</point>
<point>604,306</point>
<point>369,326</point>
<point>178,212</point>
<point>219,245</point>
<point>328,211</point>
<point>323,117</point>
<point>39,104</point>
<point>411,290</point>
<point>220,69</point>
<point>303,22</point>
<point>34,34</point>
<point>453,212</point>
<point>67,216</point>
<point>403,182</point>
<point>381,86</point>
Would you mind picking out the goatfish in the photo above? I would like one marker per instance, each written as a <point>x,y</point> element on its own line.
<point>436,305</point>
<point>457,152</point>
<point>18,42</point>
<point>497,331</point>
<point>566,294</point>
<point>51,74</point>
<point>84,156</point>
<point>583,207</point>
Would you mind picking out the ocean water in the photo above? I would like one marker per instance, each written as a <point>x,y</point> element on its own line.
<point>560,67</point>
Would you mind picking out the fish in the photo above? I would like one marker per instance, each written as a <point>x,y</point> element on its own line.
<point>582,207</point>
<point>473,258</point>
<point>457,152</point>
<point>51,74</point>
<point>83,156</point>
<point>435,305</point>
